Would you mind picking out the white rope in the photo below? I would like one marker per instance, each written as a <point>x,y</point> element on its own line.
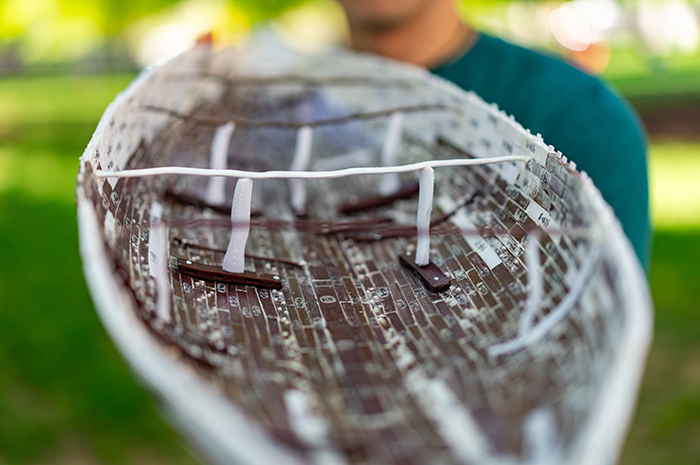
<point>234,260</point>
<point>426,178</point>
<point>216,190</point>
<point>181,170</point>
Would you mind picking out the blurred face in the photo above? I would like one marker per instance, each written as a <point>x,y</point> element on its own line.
<point>382,14</point>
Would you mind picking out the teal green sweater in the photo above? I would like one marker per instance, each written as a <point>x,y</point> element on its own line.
<point>574,112</point>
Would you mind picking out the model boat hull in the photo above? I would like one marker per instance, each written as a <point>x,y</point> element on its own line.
<point>355,359</point>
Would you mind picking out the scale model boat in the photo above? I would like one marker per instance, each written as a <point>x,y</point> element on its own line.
<point>325,314</point>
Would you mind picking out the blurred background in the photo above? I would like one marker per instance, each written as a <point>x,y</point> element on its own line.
<point>66,397</point>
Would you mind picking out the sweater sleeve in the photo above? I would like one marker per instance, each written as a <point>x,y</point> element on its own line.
<point>594,128</point>
<point>574,112</point>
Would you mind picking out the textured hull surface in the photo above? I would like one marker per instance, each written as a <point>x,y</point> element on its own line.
<point>355,360</point>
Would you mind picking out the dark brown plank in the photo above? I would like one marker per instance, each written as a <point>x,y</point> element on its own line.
<point>368,203</point>
<point>430,274</point>
<point>215,273</point>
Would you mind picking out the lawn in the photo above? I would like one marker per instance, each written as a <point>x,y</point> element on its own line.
<point>66,396</point>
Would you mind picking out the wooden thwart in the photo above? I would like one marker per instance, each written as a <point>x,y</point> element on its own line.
<point>189,199</point>
<point>215,273</point>
<point>368,203</point>
<point>430,274</point>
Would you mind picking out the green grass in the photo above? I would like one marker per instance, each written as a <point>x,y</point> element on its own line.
<point>667,425</point>
<point>64,99</point>
<point>66,395</point>
<point>60,374</point>
<point>674,181</point>
<point>647,79</point>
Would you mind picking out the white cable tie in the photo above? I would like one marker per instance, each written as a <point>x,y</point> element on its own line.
<point>426,178</point>
<point>535,284</point>
<point>156,212</point>
<point>390,182</point>
<point>301,161</point>
<point>158,261</point>
<point>234,260</point>
<point>541,437</point>
<point>557,314</point>
<point>163,273</point>
<point>216,190</point>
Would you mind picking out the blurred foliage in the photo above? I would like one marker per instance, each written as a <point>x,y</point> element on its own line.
<point>106,34</point>
<point>112,16</point>
<point>264,9</point>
